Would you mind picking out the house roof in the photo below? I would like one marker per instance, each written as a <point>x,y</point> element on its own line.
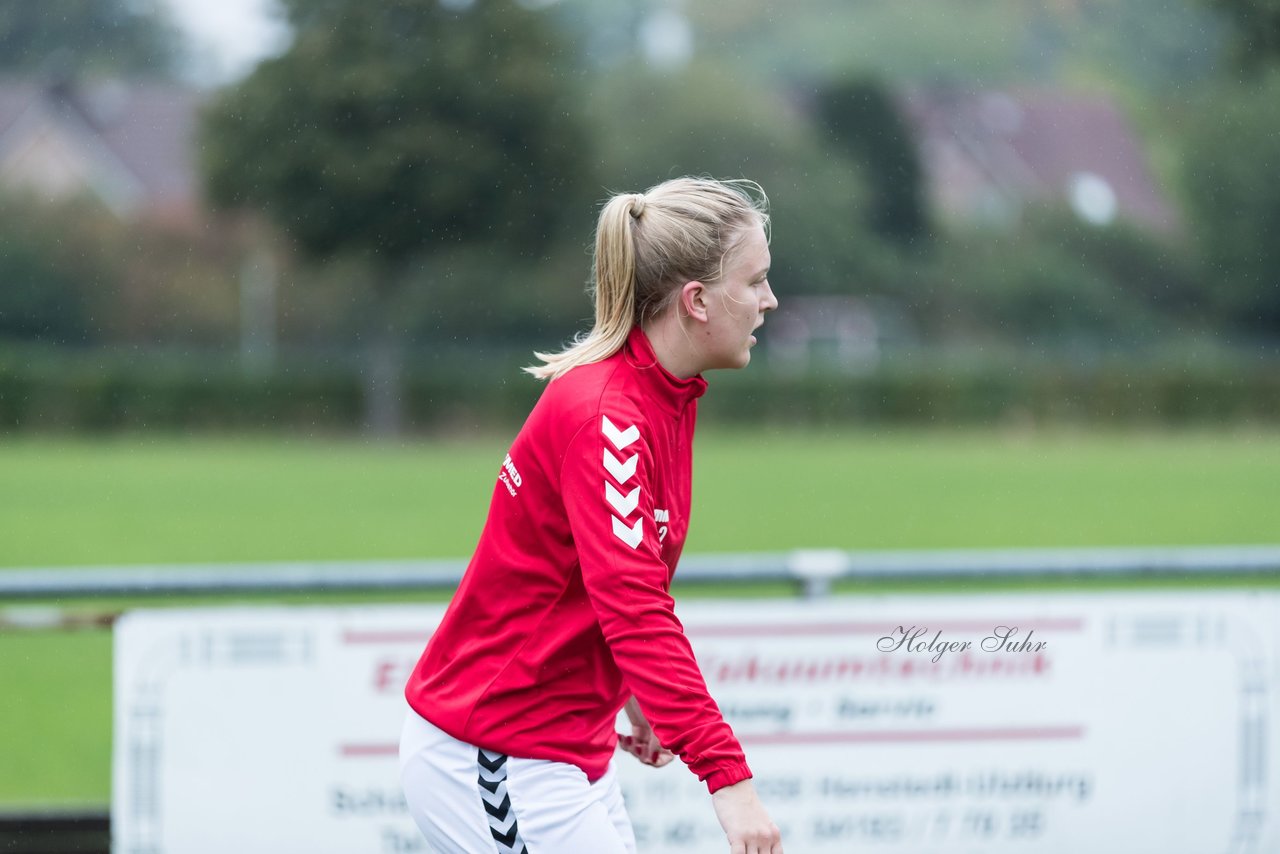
<point>139,136</point>
<point>990,152</point>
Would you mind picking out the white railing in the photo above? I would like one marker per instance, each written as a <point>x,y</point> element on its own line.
<point>812,571</point>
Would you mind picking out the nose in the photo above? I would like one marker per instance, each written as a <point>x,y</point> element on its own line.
<point>768,301</point>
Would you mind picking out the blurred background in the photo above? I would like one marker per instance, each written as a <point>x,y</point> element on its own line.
<point>333,217</point>
<point>269,268</point>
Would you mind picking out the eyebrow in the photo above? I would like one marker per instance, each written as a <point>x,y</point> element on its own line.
<point>761,274</point>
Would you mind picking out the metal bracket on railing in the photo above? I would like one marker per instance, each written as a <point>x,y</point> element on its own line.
<point>816,568</point>
<point>54,618</point>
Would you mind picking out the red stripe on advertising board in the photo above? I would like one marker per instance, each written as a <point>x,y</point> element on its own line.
<point>990,734</point>
<point>357,751</point>
<point>885,627</point>
<point>417,636</point>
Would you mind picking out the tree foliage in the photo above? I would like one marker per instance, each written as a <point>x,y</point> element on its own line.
<point>392,130</point>
<point>73,273</point>
<point>1256,29</point>
<point>1233,149</point>
<point>46,292</point>
<point>1057,281</point>
<point>129,37</point>
<point>865,125</point>
<point>710,119</point>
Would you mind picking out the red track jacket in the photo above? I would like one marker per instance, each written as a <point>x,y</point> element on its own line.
<point>565,610</point>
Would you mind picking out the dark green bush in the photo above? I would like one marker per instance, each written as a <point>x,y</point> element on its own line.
<point>53,393</point>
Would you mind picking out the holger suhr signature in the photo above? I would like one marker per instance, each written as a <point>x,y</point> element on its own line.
<point>1001,639</point>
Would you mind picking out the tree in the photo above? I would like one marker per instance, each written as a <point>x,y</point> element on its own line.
<point>865,125</point>
<point>77,37</point>
<point>72,273</point>
<point>391,132</point>
<point>1233,147</point>
<point>48,290</point>
<point>1256,26</point>
<point>713,119</point>
<point>1056,281</point>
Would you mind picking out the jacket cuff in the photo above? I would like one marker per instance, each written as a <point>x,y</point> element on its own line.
<point>727,776</point>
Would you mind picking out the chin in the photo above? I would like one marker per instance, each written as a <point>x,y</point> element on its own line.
<point>731,361</point>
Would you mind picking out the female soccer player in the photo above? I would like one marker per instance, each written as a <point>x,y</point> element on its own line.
<point>564,615</point>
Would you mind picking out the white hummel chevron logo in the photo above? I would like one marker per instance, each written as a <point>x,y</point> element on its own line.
<point>623,504</point>
<point>619,438</point>
<point>632,535</point>
<point>621,471</point>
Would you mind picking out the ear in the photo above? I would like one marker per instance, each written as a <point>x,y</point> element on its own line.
<point>693,301</point>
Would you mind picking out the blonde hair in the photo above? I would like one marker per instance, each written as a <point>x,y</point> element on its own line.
<point>648,245</point>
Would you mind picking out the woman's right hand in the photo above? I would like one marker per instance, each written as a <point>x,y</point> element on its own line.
<point>745,821</point>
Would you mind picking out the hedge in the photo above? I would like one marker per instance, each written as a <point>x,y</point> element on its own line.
<point>1043,393</point>
<point>60,394</point>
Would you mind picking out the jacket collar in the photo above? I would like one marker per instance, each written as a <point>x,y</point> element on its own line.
<point>672,392</point>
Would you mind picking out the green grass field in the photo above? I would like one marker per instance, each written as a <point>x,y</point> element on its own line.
<point>144,500</point>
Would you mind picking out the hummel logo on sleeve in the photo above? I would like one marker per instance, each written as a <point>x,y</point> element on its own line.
<point>619,438</point>
<point>622,471</point>
<point>623,504</point>
<point>631,536</point>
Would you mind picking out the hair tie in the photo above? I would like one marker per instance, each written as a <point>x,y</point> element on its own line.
<point>637,204</point>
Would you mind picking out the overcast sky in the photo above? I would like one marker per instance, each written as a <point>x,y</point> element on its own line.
<point>229,36</point>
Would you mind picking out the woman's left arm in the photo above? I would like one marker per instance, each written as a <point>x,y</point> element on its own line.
<point>608,493</point>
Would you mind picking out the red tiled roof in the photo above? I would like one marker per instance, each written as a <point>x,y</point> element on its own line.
<point>1029,146</point>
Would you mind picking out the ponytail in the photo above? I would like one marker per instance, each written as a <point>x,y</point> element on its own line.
<point>647,245</point>
<point>613,291</point>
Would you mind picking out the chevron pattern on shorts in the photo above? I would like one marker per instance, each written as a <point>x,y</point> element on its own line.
<point>497,802</point>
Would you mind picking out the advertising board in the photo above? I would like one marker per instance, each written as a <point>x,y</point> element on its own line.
<point>1014,723</point>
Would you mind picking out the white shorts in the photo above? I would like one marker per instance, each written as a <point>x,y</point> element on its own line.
<point>467,800</point>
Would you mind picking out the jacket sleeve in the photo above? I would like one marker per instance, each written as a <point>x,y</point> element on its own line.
<point>605,482</point>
